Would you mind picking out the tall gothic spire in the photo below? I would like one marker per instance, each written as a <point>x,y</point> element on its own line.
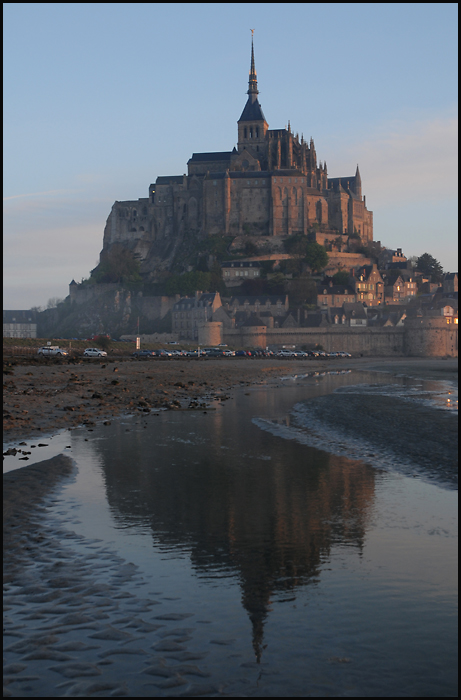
<point>253,81</point>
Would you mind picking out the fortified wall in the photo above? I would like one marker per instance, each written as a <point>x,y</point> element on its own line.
<point>417,338</point>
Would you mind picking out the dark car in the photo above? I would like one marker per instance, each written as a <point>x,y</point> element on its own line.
<point>139,354</point>
<point>241,353</point>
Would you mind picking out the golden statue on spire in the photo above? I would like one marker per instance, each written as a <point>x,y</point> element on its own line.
<point>252,32</point>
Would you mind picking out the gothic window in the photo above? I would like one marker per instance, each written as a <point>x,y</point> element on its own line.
<point>257,132</point>
<point>318,207</point>
<point>245,133</point>
<point>134,213</point>
<point>295,196</point>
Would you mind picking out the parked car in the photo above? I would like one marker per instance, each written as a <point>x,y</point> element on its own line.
<point>143,353</point>
<point>52,351</point>
<point>241,353</point>
<point>161,353</point>
<point>94,352</point>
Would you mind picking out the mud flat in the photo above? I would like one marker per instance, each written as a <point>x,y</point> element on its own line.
<point>415,439</point>
<point>42,397</point>
<point>79,620</point>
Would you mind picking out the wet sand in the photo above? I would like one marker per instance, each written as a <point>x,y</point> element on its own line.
<point>44,397</point>
<point>79,620</point>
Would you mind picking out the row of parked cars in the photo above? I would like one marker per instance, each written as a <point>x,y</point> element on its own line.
<point>224,352</point>
<point>55,351</point>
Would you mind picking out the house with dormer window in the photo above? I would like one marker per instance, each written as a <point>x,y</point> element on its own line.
<point>368,285</point>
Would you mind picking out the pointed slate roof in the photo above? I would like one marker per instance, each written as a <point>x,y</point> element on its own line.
<point>252,112</point>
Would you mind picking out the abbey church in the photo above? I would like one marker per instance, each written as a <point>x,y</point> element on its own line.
<point>269,185</point>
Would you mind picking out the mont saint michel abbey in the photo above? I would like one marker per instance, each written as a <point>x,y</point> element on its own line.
<point>271,184</point>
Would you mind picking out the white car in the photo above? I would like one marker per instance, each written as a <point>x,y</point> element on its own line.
<point>94,352</point>
<point>52,351</point>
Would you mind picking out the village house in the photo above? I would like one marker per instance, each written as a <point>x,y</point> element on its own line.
<point>450,283</point>
<point>334,295</point>
<point>271,309</point>
<point>368,285</point>
<point>402,290</point>
<point>355,313</point>
<point>19,324</point>
<point>189,312</point>
<point>390,259</point>
<point>236,272</point>
<point>387,316</point>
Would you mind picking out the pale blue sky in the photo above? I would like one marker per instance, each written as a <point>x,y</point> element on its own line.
<point>100,99</point>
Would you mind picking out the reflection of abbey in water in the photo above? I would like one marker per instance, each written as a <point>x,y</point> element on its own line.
<point>270,523</point>
<point>270,184</point>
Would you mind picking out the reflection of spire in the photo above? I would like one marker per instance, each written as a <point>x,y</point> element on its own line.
<point>252,82</point>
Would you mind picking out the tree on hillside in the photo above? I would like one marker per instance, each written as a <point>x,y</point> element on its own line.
<point>341,277</point>
<point>316,256</point>
<point>310,252</point>
<point>429,266</point>
<point>53,302</point>
<point>296,245</point>
<point>119,265</point>
<point>301,290</point>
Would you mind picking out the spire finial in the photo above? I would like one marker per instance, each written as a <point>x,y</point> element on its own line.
<point>252,82</point>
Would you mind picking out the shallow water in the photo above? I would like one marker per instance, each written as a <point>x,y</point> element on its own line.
<point>292,571</point>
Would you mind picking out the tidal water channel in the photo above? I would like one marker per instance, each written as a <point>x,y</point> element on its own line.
<point>286,570</point>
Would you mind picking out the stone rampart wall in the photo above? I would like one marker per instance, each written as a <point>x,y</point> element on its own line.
<point>437,339</point>
<point>429,337</point>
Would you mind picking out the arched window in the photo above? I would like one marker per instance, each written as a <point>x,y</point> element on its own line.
<point>251,132</point>
<point>318,208</point>
<point>295,196</point>
<point>245,133</point>
<point>257,132</point>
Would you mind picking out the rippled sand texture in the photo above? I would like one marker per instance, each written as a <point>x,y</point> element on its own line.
<point>72,623</point>
<point>412,438</point>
